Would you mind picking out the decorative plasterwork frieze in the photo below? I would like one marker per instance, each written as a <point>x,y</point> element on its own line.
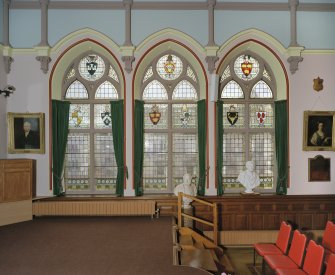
<point>127,57</point>
<point>294,58</point>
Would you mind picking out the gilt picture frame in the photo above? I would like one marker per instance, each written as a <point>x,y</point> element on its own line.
<point>26,134</point>
<point>319,131</point>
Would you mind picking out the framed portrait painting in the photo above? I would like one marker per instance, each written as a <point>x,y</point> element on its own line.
<point>319,131</point>
<point>26,133</point>
<point>319,169</point>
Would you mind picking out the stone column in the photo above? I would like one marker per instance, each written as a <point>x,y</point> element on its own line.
<point>6,4</point>
<point>210,5</point>
<point>293,4</point>
<point>44,22</point>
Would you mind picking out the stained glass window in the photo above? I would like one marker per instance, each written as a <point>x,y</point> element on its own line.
<point>155,91</point>
<point>191,74</point>
<point>169,67</point>
<point>148,74</point>
<point>248,122</point>
<point>90,164</point>
<point>184,90</point>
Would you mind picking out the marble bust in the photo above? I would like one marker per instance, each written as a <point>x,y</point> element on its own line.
<point>187,188</point>
<point>249,178</point>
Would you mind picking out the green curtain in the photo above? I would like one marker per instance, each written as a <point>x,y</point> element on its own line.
<point>202,145</point>
<point>138,146</point>
<point>60,130</point>
<point>118,140</point>
<point>281,135</point>
<point>219,145</point>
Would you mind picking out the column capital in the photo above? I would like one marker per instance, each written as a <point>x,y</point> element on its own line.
<point>44,2</point>
<point>7,2</point>
<point>293,3</point>
<point>211,3</point>
<point>127,3</point>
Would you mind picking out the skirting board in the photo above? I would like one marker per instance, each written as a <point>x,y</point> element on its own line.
<point>247,238</point>
<point>13,212</point>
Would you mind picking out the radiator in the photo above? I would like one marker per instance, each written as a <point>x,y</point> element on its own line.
<point>94,208</point>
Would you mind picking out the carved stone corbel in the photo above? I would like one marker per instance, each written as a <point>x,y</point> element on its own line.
<point>44,60</point>
<point>294,58</point>
<point>128,61</point>
<point>8,60</point>
<point>211,60</point>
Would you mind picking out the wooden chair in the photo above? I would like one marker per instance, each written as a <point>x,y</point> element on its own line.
<point>277,248</point>
<point>328,240</point>
<point>294,258</point>
<point>313,262</point>
<point>331,265</point>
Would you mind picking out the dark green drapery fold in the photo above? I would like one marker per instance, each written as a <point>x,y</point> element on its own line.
<point>202,131</point>
<point>118,140</point>
<point>281,135</point>
<point>60,130</point>
<point>219,144</point>
<point>138,146</point>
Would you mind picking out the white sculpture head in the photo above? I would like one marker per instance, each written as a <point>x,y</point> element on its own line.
<point>250,165</point>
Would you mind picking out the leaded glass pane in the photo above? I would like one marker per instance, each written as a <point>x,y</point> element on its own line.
<point>102,116</point>
<point>112,74</point>
<point>261,115</point>
<point>184,116</point>
<point>92,67</point>
<point>262,152</point>
<point>243,60</point>
<point>261,90</point>
<point>233,158</point>
<point>184,156</point>
<point>233,116</point>
<point>191,74</point>
<point>155,161</point>
<point>232,90</point>
<point>77,162</point>
<point>163,121</point>
<point>106,91</point>
<point>154,91</point>
<point>148,74</point>
<point>76,90</point>
<point>184,90</point>
<point>266,75</point>
<point>71,74</point>
<point>226,74</point>
<point>104,162</point>
<point>79,117</point>
<point>169,67</point>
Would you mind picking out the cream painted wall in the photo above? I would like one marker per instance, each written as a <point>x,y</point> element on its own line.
<point>3,110</point>
<point>303,98</point>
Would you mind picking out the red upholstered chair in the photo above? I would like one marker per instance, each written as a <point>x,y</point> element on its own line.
<point>328,240</point>
<point>277,248</point>
<point>295,255</point>
<point>313,262</point>
<point>331,265</point>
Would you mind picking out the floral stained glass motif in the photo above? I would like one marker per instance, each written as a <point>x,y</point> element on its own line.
<point>226,74</point>
<point>79,117</point>
<point>106,91</point>
<point>184,115</point>
<point>191,74</point>
<point>76,90</point>
<point>71,74</point>
<point>169,67</point>
<point>148,74</point>
<point>92,67</point>
<point>246,73</point>
<point>155,91</point>
<point>112,74</point>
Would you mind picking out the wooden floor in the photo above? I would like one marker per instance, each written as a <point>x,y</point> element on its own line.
<point>241,258</point>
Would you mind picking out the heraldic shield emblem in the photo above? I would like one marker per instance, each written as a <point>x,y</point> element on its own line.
<point>318,84</point>
<point>232,115</point>
<point>91,64</point>
<point>261,116</point>
<point>106,118</point>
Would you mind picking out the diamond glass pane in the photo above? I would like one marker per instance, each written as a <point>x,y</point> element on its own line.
<point>104,162</point>
<point>184,157</point>
<point>163,122</point>
<point>91,67</point>
<point>77,162</point>
<point>232,90</point>
<point>225,74</point>
<point>71,74</point>
<point>261,115</point>
<point>184,90</point>
<point>174,73</point>
<point>106,91</point>
<point>229,115</point>
<point>238,70</point>
<point>184,116</point>
<point>148,74</point>
<point>155,161</point>
<point>102,116</point>
<point>261,90</point>
<point>262,152</point>
<point>191,74</point>
<point>233,158</point>
<point>155,91</point>
<point>266,75</point>
<point>76,90</point>
<point>79,117</point>
<point>112,74</point>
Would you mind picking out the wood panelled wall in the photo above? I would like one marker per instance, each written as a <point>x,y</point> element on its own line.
<point>263,212</point>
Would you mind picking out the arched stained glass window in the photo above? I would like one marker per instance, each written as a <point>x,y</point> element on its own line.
<point>171,141</point>
<point>90,165</point>
<point>248,93</point>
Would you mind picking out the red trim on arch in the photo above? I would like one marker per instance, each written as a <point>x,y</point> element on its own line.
<point>50,98</point>
<point>204,72</point>
<point>287,92</point>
